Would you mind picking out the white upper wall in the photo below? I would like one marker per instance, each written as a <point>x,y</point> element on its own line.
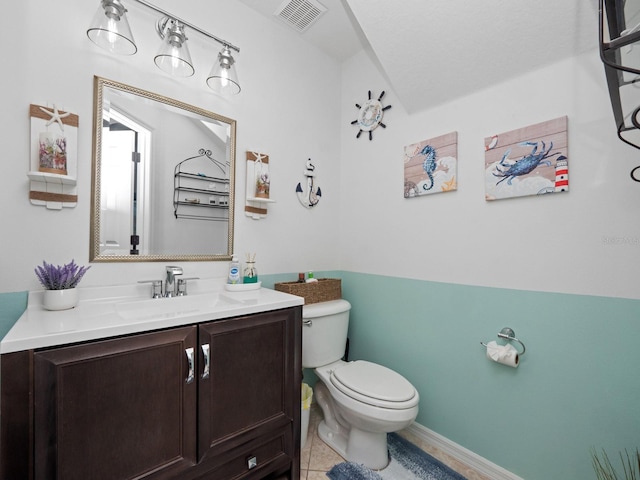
<point>586,241</point>
<point>288,108</point>
<point>296,104</point>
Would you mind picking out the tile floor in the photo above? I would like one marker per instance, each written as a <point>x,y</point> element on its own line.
<point>317,457</point>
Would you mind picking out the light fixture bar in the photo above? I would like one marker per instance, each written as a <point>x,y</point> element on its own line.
<point>190,25</point>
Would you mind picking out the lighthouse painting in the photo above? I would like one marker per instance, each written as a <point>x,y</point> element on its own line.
<point>529,161</point>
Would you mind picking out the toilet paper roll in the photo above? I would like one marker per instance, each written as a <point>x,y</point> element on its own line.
<point>504,354</point>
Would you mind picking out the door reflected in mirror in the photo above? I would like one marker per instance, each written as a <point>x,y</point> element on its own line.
<point>163,178</point>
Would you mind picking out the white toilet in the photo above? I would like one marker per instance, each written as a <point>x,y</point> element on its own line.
<point>361,401</point>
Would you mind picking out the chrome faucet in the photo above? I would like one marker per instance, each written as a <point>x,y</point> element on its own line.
<point>170,288</point>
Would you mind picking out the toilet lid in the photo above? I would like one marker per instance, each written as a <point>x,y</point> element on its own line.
<point>374,384</point>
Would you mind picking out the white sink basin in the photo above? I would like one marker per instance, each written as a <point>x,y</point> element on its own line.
<point>163,308</point>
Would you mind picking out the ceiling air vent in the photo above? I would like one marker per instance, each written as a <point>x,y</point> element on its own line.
<point>300,14</point>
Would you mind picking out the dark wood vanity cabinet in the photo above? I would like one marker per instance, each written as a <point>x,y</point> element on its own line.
<point>217,400</point>
<point>117,408</point>
<point>246,400</point>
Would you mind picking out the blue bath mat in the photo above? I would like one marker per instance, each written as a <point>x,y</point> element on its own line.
<point>408,462</point>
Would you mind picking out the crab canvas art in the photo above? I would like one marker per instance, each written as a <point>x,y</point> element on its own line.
<point>529,161</point>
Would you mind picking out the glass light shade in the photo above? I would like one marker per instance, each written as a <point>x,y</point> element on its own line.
<point>223,77</point>
<point>173,56</point>
<point>110,29</point>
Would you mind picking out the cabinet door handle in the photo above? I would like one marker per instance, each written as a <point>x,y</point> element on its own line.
<point>207,357</point>
<point>190,375</point>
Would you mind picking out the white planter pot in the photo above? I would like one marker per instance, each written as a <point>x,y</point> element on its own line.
<point>60,299</point>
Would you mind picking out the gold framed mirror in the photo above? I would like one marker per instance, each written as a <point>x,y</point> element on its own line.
<point>163,178</point>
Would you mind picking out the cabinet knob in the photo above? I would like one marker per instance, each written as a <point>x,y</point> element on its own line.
<point>252,462</point>
<point>190,375</point>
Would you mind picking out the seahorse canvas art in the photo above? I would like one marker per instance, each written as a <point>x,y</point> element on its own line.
<point>529,161</point>
<point>431,166</point>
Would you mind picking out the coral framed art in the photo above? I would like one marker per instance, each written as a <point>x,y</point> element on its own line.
<point>54,157</point>
<point>431,166</point>
<point>258,185</point>
<point>55,147</point>
<point>528,161</point>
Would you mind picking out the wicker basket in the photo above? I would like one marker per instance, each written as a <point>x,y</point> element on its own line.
<point>323,290</point>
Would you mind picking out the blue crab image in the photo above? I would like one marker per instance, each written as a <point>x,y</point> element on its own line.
<point>526,164</point>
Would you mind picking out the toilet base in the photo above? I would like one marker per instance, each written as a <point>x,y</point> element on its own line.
<point>354,445</point>
<point>364,448</point>
<point>336,440</point>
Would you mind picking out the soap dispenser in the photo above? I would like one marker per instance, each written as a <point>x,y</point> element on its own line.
<point>234,271</point>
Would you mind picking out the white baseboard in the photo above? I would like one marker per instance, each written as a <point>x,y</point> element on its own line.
<point>476,462</point>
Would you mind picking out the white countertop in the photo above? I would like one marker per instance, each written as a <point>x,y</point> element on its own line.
<point>111,311</point>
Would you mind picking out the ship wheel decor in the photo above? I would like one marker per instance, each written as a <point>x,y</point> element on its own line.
<point>370,115</point>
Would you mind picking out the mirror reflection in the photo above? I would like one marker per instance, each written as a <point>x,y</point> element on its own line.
<point>163,178</point>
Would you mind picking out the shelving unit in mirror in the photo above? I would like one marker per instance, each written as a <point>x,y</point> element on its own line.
<point>198,194</point>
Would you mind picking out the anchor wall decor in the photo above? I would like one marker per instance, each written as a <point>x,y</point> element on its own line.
<point>310,195</point>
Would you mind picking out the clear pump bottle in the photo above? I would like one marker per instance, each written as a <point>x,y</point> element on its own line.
<point>234,271</point>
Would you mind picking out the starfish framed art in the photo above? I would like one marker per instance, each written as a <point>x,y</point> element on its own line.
<point>53,163</point>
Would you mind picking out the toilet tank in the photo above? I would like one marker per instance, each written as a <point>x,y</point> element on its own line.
<point>324,332</point>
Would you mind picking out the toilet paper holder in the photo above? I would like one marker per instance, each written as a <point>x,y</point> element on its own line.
<point>509,335</point>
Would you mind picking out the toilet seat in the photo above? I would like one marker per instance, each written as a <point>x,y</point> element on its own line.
<point>375,385</point>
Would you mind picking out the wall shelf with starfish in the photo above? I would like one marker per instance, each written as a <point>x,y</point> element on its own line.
<point>53,162</point>
<point>258,185</point>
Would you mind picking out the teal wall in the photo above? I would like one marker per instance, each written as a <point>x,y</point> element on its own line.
<point>577,385</point>
<point>12,305</point>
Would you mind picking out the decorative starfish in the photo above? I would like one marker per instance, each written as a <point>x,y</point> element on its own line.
<point>259,157</point>
<point>449,186</point>
<point>55,116</point>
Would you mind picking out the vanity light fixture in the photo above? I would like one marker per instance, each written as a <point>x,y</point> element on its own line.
<point>173,56</point>
<point>110,30</point>
<point>223,77</point>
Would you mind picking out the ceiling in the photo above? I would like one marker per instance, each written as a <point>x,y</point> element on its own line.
<point>336,32</point>
<point>433,51</point>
